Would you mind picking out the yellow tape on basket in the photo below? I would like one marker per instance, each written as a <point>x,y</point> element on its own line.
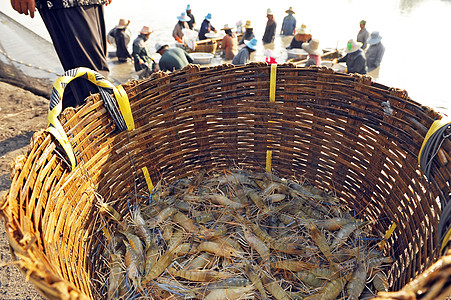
<point>445,240</point>
<point>436,125</point>
<point>54,126</point>
<point>387,235</point>
<point>148,179</point>
<point>124,106</point>
<point>272,83</point>
<point>268,160</point>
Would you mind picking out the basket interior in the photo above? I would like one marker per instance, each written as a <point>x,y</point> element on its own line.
<point>328,128</point>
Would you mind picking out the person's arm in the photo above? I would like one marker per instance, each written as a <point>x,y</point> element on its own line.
<point>343,59</point>
<point>24,7</point>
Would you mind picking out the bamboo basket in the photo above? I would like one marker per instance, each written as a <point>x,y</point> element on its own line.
<point>207,46</point>
<point>327,127</point>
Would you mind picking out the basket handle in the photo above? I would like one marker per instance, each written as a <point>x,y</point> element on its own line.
<point>56,106</point>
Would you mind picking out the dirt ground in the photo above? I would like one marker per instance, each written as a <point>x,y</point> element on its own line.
<point>22,113</point>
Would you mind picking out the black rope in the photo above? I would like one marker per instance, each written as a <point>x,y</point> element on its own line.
<point>112,108</point>
<point>432,147</point>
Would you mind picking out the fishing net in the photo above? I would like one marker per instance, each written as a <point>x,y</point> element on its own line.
<point>341,133</point>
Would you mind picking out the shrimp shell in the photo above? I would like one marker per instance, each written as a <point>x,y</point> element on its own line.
<point>292,265</point>
<point>230,294</point>
<point>275,289</point>
<point>199,275</point>
<point>223,200</point>
<point>161,217</point>
<point>357,282</point>
<point>259,246</point>
<point>222,249</point>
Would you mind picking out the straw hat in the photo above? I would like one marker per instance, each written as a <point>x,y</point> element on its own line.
<point>183,17</point>
<point>159,45</point>
<point>290,10</point>
<point>208,17</point>
<point>374,38</point>
<point>248,24</point>
<point>302,30</point>
<point>251,44</point>
<point>123,23</point>
<point>353,46</point>
<point>269,11</point>
<point>226,27</point>
<point>146,30</point>
<point>312,47</point>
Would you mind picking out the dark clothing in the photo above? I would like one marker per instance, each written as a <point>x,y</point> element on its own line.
<point>247,36</point>
<point>296,44</point>
<point>206,27</point>
<point>79,36</point>
<point>374,56</point>
<point>174,59</point>
<point>242,57</point>
<point>192,21</point>
<point>288,25</point>
<point>140,52</point>
<point>355,62</point>
<point>58,4</point>
<point>121,49</point>
<point>270,32</point>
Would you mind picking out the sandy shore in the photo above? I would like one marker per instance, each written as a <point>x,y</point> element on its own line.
<point>21,114</point>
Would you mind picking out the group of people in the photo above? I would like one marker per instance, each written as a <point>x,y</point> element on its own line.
<point>77,29</point>
<point>362,59</point>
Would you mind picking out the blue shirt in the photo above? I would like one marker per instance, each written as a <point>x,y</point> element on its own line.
<point>288,25</point>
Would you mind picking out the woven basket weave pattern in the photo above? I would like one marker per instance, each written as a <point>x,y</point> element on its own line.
<point>328,128</point>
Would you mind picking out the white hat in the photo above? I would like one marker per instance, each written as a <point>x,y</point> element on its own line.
<point>159,45</point>
<point>226,26</point>
<point>353,46</point>
<point>270,53</point>
<point>312,47</point>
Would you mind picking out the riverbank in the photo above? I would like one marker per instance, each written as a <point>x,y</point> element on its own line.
<point>22,113</point>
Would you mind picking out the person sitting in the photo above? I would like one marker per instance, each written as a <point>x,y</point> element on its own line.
<point>314,53</point>
<point>354,58</point>
<point>302,36</point>
<point>206,27</point>
<point>192,22</point>
<point>363,34</point>
<point>248,34</point>
<point>375,52</point>
<point>172,58</point>
<point>120,40</point>
<point>288,23</point>
<point>141,57</point>
<point>244,54</point>
<point>177,33</point>
<point>229,43</point>
<point>270,29</point>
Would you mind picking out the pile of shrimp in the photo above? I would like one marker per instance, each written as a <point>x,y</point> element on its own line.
<point>240,235</point>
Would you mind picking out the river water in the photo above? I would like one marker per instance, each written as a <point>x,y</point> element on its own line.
<point>415,32</point>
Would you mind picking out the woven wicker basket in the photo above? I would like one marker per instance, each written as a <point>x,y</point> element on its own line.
<point>330,128</point>
<point>207,46</point>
